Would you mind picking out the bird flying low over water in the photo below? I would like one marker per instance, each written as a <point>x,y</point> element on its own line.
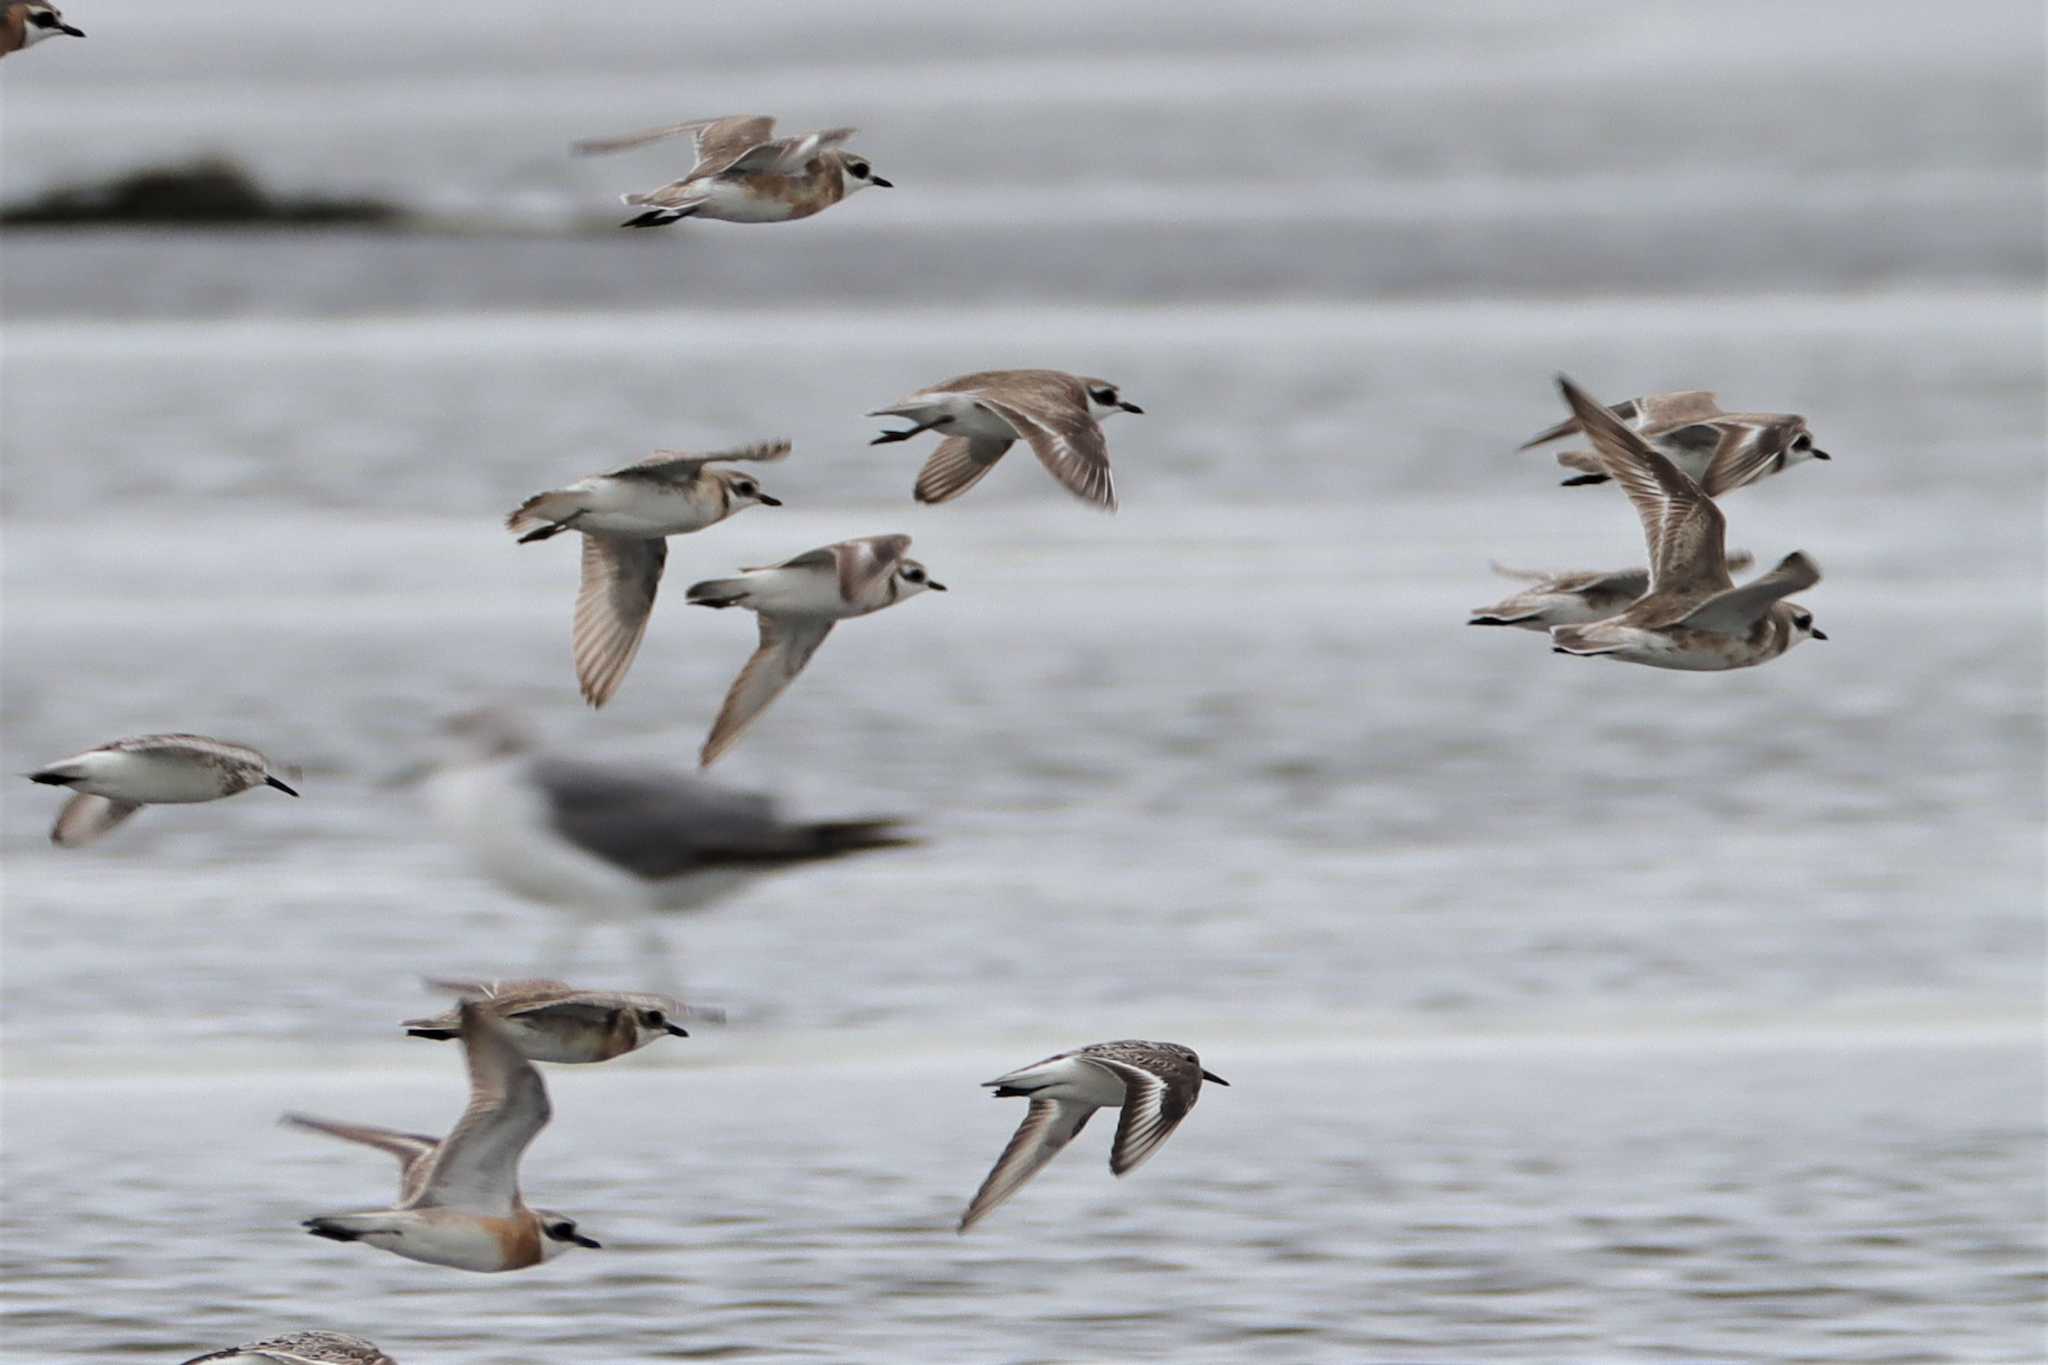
<point>114,781</point>
<point>1692,616</point>
<point>798,602</point>
<point>743,173</point>
<point>982,415</point>
<point>459,1203</point>
<point>1152,1085</point>
<point>549,1021</point>
<point>1720,451</point>
<point>1570,599</point>
<point>625,517</point>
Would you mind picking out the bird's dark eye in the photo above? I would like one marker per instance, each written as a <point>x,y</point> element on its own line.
<point>42,18</point>
<point>562,1232</point>
<point>746,490</point>
<point>1802,442</point>
<point>1803,622</point>
<point>914,575</point>
<point>1104,396</point>
<point>654,1019</point>
<point>859,168</point>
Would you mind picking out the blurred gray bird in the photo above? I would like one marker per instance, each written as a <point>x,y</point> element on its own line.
<point>611,842</point>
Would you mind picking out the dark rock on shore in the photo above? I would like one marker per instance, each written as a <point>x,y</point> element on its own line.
<point>204,193</point>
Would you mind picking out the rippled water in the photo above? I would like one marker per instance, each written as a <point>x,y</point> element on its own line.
<point>1572,1011</point>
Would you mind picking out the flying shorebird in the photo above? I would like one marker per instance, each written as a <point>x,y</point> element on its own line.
<point>624,517</point>
<point>604,841</point>
<point>1719,451</point>
<point>1692,617</point>
<point>1153,1084</point>
<point>459,1203</point>
<point>743,173</point>
<point>798,602</point>
<point>24,23</point>
<point>300,1348</point>
<point>981,415</point>
<point>1570,599</point>
<point>549,1021</point>
<point>114,781</point>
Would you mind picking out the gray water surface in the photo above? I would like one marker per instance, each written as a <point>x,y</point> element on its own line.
<point>1573,1011</point>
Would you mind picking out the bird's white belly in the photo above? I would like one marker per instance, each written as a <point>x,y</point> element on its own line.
<point>1073,1080</point>
<point>507,828</point>
<point>1690,652</point>
<point>462,1243</point>
<point>796,592</point>
<point>734,201</point>
<point>969,417</point>
<point>645,511</point>
<point>154,779</point>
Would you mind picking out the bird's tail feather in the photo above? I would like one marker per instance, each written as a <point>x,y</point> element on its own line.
<point>718,592</point>
<point>543,511</point>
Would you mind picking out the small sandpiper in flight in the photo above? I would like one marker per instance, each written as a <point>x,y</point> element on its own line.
<point>982,415</point>
<point>459,1202</point>
<point>1155,1085</point>
<point>625,517</point>
<point>798,602</point>
<point>114,781</point>
<point>743,173</point>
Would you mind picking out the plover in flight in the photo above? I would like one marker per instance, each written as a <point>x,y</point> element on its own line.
<point>745,174</point>
<point>300,1348</point>
<point>459,1203</point>
<point>624,517</point>
<point>1693,616</point>
<point>24,23</point>
<point>798,602</point>
<point>549,1021</point>
<point>980,415</point>
<point>603,841</point>
<point>114,781</point>
<point>1154,1084</point>
<point>1719,451</point>
<point>1570,599</point>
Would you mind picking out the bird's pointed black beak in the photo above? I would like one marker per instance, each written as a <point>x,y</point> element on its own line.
<point>580,1240</point>
<point>1820,454</point>
<point>74,32</point>
<point>1819,634</point>
<point>1132,407</point>
<point>767,501</point>
<point>1212,1076</point>
<point>273,782</point>
<point>935,585</point>
<point>880,183</point>
<point>678,1030</point>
